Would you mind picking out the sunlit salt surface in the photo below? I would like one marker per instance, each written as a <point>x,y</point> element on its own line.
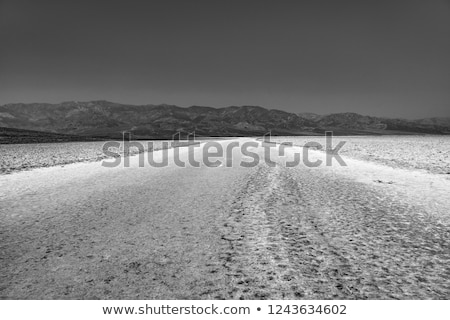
<point>19,157</point>
<point>412,170</point>
<point>429,153</point>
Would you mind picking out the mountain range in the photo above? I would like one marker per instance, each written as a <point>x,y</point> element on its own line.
<point>104,120</point>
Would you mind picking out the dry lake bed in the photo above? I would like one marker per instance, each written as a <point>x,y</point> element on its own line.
<point>378,228</point>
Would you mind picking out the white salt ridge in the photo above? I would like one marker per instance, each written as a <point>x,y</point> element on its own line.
<point>418,187</point>
<point>430,153</point>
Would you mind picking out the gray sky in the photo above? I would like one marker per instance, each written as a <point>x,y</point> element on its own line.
<point>384,58</point>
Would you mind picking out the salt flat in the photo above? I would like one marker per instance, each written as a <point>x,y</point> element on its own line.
<point>362,231</point>
<point>430,153</point>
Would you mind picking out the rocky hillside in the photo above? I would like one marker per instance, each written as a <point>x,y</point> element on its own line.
<point>107,120</point>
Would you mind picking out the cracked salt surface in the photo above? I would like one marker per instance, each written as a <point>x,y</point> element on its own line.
<point>85,231</point>
<point>429,153</point>
<point>417,181</point>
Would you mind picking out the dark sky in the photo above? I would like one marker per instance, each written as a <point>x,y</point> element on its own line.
<point>384,58</point>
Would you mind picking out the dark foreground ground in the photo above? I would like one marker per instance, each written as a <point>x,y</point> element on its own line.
<point>88,232</point>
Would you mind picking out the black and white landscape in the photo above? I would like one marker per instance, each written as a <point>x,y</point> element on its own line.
<point>192,158</point>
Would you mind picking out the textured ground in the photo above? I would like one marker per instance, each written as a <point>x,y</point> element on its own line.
<point>20,157</point>
<point>429,153</point>
<point>84,232</point>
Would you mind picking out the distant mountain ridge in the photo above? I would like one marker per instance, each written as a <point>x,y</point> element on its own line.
<point>108,119</point>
